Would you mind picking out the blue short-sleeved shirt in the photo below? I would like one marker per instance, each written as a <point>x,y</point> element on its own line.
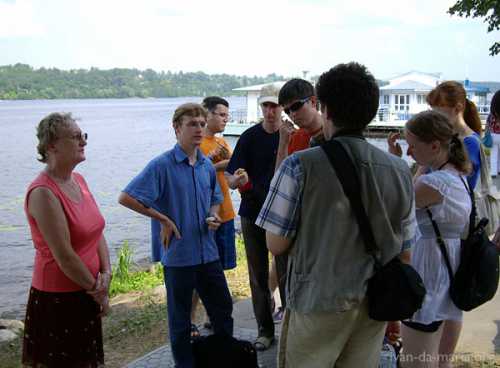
<point>184,193</point>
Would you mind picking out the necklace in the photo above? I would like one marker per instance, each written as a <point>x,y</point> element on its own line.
<point>443,165</point>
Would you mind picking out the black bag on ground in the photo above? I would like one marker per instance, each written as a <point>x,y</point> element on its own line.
<point>223,351</point>
<point>396,290</point>
<point>476,279</point>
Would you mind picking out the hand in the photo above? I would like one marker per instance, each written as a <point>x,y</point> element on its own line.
<point>393,331</point>
<point>286,131</point>
<point>496,239</point>
<point>101,287</point>
<point>213,221</point>
<point>219,154</point>
<point>241,177</point>
<point>394,146</point>
<point>105,307</point>
<point>167,228</point>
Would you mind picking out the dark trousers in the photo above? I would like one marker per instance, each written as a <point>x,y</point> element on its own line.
<point>258,273</point>
<point>210,283</point>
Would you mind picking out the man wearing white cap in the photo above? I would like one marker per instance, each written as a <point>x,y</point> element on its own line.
<point>251,169</point>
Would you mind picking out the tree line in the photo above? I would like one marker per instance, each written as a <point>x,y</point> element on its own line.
<point>21,81</point>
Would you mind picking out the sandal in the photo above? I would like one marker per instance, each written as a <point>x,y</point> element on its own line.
<point>194,331</point>
<point>207,325</point>
<point>263,343</point>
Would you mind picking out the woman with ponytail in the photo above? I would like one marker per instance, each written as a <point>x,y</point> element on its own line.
<point>450,98</point>
<point>433,331</point>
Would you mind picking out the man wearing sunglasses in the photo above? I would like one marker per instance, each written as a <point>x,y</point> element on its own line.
<point>299,102</point>
<point>251,169</point>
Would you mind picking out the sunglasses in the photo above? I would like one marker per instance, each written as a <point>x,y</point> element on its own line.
<point>297,105</point>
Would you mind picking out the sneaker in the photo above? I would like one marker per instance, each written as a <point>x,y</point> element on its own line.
<point>207,325</point>
<point>278,315</point>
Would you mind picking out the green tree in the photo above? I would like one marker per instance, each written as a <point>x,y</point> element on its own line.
<point>478,9</point>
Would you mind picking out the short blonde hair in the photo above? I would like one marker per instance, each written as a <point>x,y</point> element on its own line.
<point>188,109</point>
<point>47,131</point>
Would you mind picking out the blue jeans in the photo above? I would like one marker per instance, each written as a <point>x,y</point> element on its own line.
<point>210,283</point>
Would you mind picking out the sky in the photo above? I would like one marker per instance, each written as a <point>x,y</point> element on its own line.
<point>254,37</point>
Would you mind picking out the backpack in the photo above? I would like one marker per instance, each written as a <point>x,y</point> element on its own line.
<point>223,351</point>
<point>476,279</point>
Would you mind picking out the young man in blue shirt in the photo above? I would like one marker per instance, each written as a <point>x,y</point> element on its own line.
<point>178,190</point>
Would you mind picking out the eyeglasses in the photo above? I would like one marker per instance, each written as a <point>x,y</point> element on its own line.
<point>78,136</point>
<point>297,105</point>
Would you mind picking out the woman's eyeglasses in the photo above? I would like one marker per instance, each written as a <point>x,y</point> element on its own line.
<point>297,105</point>
<point>79,136</point>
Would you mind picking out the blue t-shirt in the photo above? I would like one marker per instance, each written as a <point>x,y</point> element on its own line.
<point>256,153</point>
<point>184,193</point>
<point>472,145</point>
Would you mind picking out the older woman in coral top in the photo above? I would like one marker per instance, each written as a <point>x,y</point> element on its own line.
<point>71,274</point>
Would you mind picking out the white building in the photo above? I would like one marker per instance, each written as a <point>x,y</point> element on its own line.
<point>254,113</point>
<point>405,95</point>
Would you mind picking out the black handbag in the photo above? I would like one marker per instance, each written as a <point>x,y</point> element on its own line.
<point>223,351</point>
<point>476,279</point>
<point>396,290</point>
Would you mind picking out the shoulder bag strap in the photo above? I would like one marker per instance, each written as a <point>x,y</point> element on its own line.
<point>441,244</point>
<point>347,175</point>
<point>473,211</point>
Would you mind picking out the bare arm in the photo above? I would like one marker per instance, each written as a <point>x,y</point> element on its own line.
<point>168,226</point>
<point>51,220</point>
<point>214,210</point>
<point>426,196</point>
<point>286,131</point>
<point>277,244</point>
<point>221,165</point>
<point>104,256</point>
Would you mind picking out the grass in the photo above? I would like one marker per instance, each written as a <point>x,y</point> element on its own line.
<point>126,279</point>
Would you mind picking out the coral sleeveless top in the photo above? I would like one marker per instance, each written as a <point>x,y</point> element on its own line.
<point>86,226</point>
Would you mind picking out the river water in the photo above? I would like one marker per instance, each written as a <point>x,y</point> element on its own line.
<point>124,134</point>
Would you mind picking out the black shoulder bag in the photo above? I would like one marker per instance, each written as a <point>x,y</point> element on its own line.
<point>476,279</point>
<point>396,290</point>
<point>223,351</point>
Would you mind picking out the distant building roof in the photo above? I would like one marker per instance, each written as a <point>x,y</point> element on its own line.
<point>407,85</point>
<point>434,75</point>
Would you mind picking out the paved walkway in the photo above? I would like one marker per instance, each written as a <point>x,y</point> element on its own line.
<point>245,328</point>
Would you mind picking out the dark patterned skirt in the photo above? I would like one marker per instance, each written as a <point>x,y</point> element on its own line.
<point>62,330</point>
